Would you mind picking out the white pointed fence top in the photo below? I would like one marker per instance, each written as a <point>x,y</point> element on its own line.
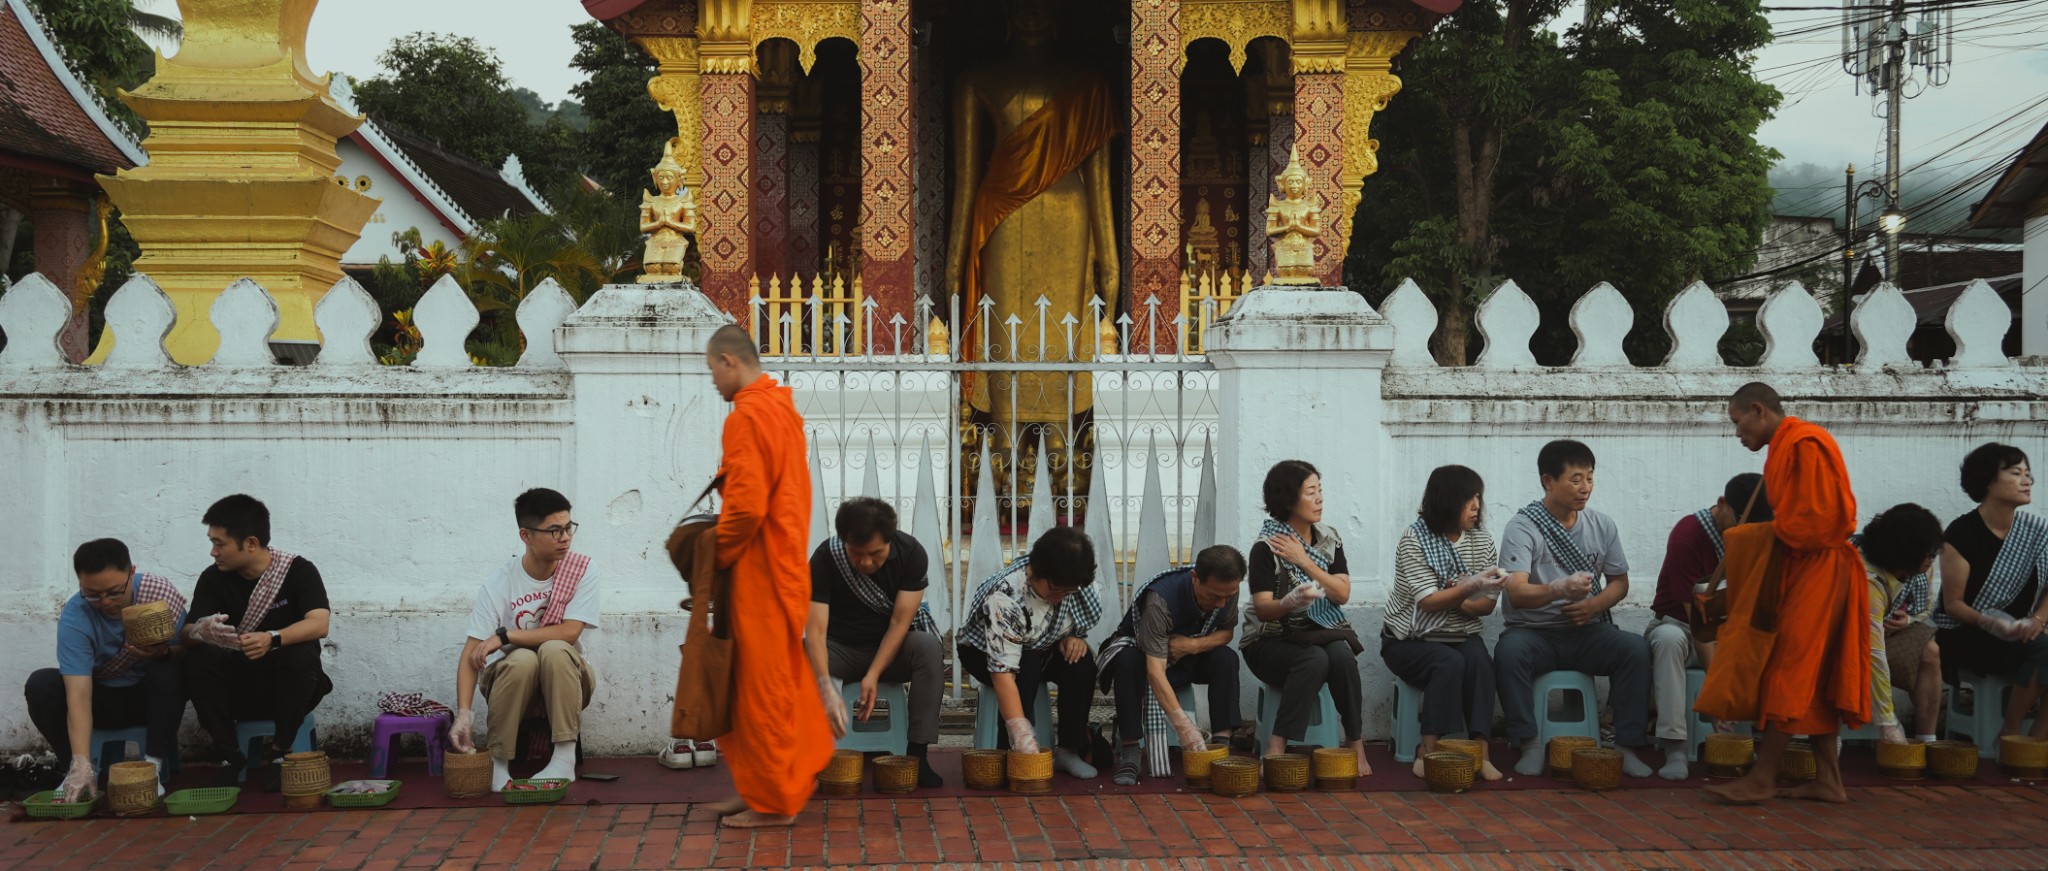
<point>245,315</point>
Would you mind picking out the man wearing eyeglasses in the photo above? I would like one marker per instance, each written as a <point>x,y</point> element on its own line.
<point>523,647</point>
<point>102,681</point>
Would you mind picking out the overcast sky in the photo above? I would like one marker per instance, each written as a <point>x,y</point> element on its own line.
<point>2001,69</point>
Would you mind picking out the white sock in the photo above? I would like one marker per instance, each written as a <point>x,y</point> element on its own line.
<point>501,771</point>
<point>1926,739</point>
<point>1632,766</point>
<point>1071,763</point>
<point>1532,761</point>
<point>562,765</point>
<point>1676,766</point>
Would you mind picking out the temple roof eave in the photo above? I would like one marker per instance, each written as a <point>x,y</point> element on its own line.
<point>80,93</point>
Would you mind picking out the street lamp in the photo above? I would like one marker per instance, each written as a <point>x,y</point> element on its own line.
<point>1892,221</point>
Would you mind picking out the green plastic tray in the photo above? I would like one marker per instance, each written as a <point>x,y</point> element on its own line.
<point>200,802</point>
<point>364,799</point>
<point>556,790</point>
<point>43,806</point>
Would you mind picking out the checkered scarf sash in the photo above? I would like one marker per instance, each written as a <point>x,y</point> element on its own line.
<point>2020,559</point>
<point>1566,550</point>
<point>568,573</point>
<point>410,705</point>
<point>1913,592</point>
<point>1443,559</point>
<point>148,588</point>
<point>1706,518</point>
<point>1322,553</point>
<point>870,593</point>
<point>1087,610</point>
<point>1156,727</point>
<point>261,598</point>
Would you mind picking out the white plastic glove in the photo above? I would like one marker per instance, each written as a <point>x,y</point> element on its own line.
<point>215,630</point>
<point>1891,733</point>
<point>1302,596</point>
<point>1023,738</point>
<point>459,730</point>
<point>1493,580</point>
<point>1184,726</point>
<point>1577,586</point>
<point>2002,625</point>
<point>80,781</point>
<point>835,705</point>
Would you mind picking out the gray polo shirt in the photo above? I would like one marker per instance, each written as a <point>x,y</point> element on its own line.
<point>1522,549</point>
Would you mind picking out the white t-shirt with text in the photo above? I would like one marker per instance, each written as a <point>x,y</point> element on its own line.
<point>514,600</point>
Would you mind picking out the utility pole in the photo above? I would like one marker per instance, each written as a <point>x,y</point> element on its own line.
<point>1879,49</point>
<point>1894,87</point>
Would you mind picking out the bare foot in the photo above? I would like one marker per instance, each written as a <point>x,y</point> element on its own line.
<point>752,820</point>
<point>729,806</point>
<point>1364,769</point>
<point>1744,791</point>
<point>1817,791</point>
<point>1488,772</point>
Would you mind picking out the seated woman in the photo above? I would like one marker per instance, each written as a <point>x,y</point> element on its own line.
<point>1295,636</point>
<point>1446,577</point>
<point>1992,610</point>
<point>1898,545</point>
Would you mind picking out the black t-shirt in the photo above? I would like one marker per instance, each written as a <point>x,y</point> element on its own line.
<point>1264,569</point>
<point>1978,546</point>
<point>853,623</point>
<point>221,592</point>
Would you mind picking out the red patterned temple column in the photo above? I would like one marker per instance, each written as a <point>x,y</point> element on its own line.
<point>888,241</point>
<point>724,206</point>
<point>1319,46</point>
<point>1155,256</point>
<point>804,132</point>
<point>771,157</point>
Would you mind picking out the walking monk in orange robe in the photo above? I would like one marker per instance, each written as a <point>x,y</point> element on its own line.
<point>1807,672</point>
<point>780,738</point>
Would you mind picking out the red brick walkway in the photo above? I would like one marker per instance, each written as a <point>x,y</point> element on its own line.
<point>1920,826</point>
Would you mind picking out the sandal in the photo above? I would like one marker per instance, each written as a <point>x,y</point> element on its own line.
<point>680,754</point>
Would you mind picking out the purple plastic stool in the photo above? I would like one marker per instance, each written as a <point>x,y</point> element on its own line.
<point>390,726</point>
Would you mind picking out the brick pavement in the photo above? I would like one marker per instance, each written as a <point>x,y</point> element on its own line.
<point>1918,826</point>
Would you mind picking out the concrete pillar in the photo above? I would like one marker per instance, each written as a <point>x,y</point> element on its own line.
<point>2034,282</point>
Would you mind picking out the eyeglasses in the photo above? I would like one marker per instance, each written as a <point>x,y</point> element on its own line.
<point>103,596</point>
<point>558,533</point>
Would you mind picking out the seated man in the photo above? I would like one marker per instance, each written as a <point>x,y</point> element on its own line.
<point>102,681</point>
<point>1690,557</point>
<point>1898,547</point>
<point>258,657</point>
<point>524,631</point>
<point>869,623</point>
<point>1565,571</point>
<point>1177,633</point>
<point>1029,625</point>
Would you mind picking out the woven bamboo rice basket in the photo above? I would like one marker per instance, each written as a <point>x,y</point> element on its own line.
<point>131,788</point>
<point>149,623</point>
<point>1560,753</point>
<point>1195,765</point>
<point>983,769</point>
<point>1448,771</point>
<point>1953,760</point>
<point>1728,754</point>
<point>1336,768</point>
<point>1596,768</point>
<point>1234,776</point>
<point>466,775</point>
<point>306,779</point>
<point>1286,772</point>
<point>1902,761</point>
<point>2023,756</point>
<point>1467,746</point>
<point>1030,766</point>
<point>845,766</point>
<point>896,775</point>
<point>1797,764</point>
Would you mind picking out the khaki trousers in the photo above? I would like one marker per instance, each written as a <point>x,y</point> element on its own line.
<point>552,679</point>
<point>1671,653</point>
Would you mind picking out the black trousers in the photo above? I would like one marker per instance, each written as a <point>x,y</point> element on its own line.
<point>1456,682</point>
<point>156,703</point>
<point>1218,668</point>
<point>1076,681</point>
<point>283,686</point>
<point>1300,671</point>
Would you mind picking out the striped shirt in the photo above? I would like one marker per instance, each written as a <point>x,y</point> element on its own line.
<point>1414,581</point>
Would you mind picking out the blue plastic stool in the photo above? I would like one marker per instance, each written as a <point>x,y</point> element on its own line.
<point>1986,715</point>
<point>882,733</point>
<point>1587,723</point>
<point>247,731</point>
<point>1186,695</point>
<point>1407,720</point>
<point>1323,729</point>
<point>103,761</point>
<point>987,718</point>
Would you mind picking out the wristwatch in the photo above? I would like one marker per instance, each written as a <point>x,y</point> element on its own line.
<point>504,638</point>
<point>276,639</point>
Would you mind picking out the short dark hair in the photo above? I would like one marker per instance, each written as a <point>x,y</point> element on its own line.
<point>731,339</point>
<point>862,518</point>
<point>1219,562</point>
<point>100,554</point>
<point>1759,393</point>
<point>1983,465</point>
<point>1561,454</point>
<point>1283,486</point>
<point>536,505</point>
<point>1737,494</point>
<point>1900,537</point>
<point>1444,498</point>
<point>240,516</point>
<point>1064,557</point>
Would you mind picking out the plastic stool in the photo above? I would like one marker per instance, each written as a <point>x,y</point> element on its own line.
<point>389,726</point>
<point>1407,720</point>
<point>1186,694</point>
<point>1587,723</point>
<point>987,717</point>
<point>1987,712</point>
<point>886,733</point>
<point>1323,729</point>
<point>247,731</point>
<point>103,762</point>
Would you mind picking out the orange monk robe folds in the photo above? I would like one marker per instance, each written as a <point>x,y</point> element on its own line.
<point>780,739</point>
<point>1814,674</point>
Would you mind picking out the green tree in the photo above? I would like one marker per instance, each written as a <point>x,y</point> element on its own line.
<point>102,39</point>
<point>625,130</point>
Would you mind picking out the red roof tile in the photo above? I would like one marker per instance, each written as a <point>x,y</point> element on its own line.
<point>41,121</point>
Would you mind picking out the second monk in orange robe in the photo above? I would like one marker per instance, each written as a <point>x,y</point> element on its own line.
<point>1811,674</point>
<point>780,738</point>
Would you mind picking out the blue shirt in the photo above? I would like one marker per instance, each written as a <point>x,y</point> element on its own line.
<point>86,639</point>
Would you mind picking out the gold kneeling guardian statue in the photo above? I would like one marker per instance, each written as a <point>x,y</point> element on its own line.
<point>1293,221</point>
<point>666,216</point>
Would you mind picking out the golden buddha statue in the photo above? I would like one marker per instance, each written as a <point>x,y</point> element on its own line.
<point>1032,220</point>
<point>1293,221</point>
<point>666,216</point>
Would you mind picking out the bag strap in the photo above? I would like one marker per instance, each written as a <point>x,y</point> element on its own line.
<point>1721,568</point>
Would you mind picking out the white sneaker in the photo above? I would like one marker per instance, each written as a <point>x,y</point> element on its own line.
<point>680,754</point>
<point>706,754</point>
